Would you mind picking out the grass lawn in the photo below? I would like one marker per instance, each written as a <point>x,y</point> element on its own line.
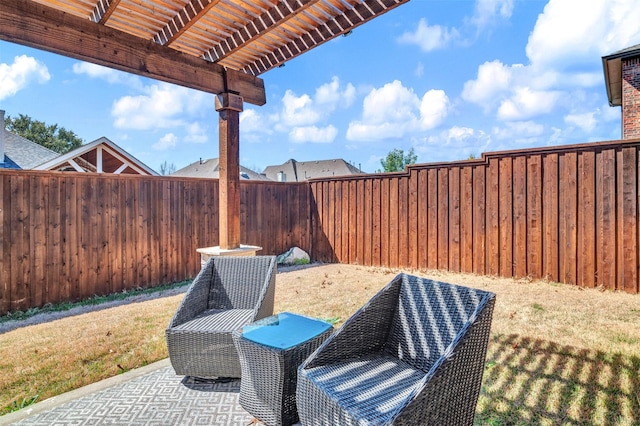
<point>558,354</point>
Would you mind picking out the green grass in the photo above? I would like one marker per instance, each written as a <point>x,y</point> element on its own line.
<point>93,301</point>
<point>556,356</point>
<point>15,405</point>
<point>54,357</point>
<point>621,338</point>
<point>537,307</point>
<point>332,320</point>
<point>534,381</point>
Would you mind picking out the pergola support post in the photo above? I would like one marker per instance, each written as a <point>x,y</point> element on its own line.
<point>229,106</point>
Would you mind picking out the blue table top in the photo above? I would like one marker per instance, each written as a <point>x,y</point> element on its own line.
<point>284,330</point>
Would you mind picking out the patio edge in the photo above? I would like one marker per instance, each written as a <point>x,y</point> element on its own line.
<point>55,401</point>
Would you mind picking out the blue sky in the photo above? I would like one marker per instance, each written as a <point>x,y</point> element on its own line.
<point>450,78</point>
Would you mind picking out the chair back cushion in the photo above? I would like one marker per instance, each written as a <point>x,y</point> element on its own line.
<point>239,282</point>
<point>430,315</point>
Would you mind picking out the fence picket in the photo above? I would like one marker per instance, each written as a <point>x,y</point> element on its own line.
<point>569,214</point>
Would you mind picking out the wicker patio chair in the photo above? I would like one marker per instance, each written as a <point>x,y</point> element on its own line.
<point>413,355</point>
<point>228,293</point>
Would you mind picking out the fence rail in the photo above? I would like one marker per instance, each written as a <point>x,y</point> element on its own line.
<point>569,214</point>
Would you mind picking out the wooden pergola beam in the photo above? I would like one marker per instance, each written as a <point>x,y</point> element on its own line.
<point>35,25</point>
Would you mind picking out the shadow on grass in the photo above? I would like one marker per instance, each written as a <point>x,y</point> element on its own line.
<point>532,381</point>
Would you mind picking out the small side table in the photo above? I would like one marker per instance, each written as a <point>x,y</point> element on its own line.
<point>271,350</point>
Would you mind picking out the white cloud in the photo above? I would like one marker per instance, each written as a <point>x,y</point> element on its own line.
<point>95,71</point>
<point>429,37</point>
<point>195,133</point>
<point>486,11</point>
<point>388,112</point>
<point>433,37</point>
<point>546,78</point>
<point>526,103</point>
<point>570,32</point>
<point>564,51</point>
<point>304,110</point>
<point>515,92</point>
<point>518,129</point>
<point>313,134</point>
<point>108,74</point>
<point>494,78</point>
<point>164,106</point>
<point>395,110</point>
<point>610,114</point>
<point>302,117</point>
<point>166,142</point>
<point>298,110</point>
<point>23,71</point>
<point>371,132</point>
<point>331,96</point>
<point>393,102</point>
<point>161,106</point>
<point>465,137</point>
<point>455,143</point>
<point>584,79</point>
<point>433,109</point>
<point>251,121</point>
<point>586,121</point>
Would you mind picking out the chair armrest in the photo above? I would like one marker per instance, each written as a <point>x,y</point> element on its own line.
<point>449,391</point>
<point>264,307</point>
<point>196,298</point>
<point>365,332</point>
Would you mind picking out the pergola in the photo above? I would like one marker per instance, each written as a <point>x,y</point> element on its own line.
<point>216,46</point>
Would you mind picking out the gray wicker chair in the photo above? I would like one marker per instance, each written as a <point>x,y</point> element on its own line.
<point>228,293</point>
<point>413,355</point>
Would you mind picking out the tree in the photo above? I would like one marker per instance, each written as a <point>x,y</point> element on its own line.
<point>167,169</point>
<point>396,160</point>
<point>55,138</point>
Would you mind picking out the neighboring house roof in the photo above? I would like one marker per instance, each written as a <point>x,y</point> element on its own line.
<point>100,156</point>
<point>298,171</point>
<point>210,168</point>
<point>612,65</point>
<point>21,153</point>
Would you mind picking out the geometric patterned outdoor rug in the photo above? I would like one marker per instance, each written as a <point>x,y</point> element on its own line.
<point>156,398</point>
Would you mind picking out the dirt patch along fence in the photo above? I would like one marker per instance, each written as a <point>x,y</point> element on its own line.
<point>569,214</point>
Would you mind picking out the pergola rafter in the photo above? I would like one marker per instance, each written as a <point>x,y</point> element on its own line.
<point>185,19</point>
<point>103,10</point>
<point>275,16</point>
<point>321,32</point>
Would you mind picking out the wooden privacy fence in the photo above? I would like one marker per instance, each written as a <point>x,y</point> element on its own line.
<point>569,214</point>
<point>68,236</point>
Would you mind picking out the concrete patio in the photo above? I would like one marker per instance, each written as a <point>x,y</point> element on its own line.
<point>152,395</point>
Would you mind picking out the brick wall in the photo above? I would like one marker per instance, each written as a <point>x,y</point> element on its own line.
<point>631,98</point>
